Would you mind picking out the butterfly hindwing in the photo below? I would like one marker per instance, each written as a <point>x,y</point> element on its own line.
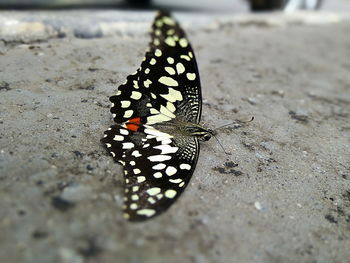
<point>156,175</point>
<point>157,168</point>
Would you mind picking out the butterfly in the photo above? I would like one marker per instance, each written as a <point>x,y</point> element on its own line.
<point>157,132</point>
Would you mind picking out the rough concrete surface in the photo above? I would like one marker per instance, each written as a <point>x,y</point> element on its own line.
<point>288,200</point>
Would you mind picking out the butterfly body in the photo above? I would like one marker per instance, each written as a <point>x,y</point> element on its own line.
<point>157,132</point>
<point>179,128</point>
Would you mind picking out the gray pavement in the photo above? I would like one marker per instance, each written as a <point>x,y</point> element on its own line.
<point>287,201</point>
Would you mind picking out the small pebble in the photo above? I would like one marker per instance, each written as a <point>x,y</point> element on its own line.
<point>252,101</point>
<point>279,93</point>
<point>258,205</point>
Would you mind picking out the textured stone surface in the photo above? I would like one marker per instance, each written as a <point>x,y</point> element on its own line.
<point>288,200</point>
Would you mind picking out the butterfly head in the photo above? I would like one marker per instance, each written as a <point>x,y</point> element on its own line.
<point>204,134</point>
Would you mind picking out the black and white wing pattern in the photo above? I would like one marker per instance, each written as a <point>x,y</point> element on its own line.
<point>157,111</point>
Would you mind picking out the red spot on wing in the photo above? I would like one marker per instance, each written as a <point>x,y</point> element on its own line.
<point>132,127</point>
<point>136,120</point>
<point>133,124</point>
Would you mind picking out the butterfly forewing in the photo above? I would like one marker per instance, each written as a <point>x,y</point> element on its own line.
<point>130,100</point>
<point>150,110</point>
<point>172,68</point>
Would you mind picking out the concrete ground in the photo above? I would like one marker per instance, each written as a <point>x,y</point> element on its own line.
<point>288,200</point>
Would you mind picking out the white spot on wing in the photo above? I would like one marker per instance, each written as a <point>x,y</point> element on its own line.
<point>170,70</point>
<point>146,212</point>
<point>170,41</point>
<point>159,166</point>
<point>133,206</point>
<point>158,53</point>
<point>136,171</point>
<point>171,170</point>
<point>170,60</point>
<point>153,61</point>
<point>159,158</point>
<point>169,21</point>
<point>183,42</point>
<point>170,32</point>
<point>141,179</point>
<point>118,138</point>
<point>125,103</point>
<point>170,193</point>
<point>159,23</point>
<point>166,112</point>
<point>151,200</point>
<point>136,95</point>
<point>124,131</point>
<point>157,118</point>
<point>175,181</point>
<point>168,81</point>
<point>180,68</point>
<point>153,191</point>
<point>166,148</point>
<point>136,85</point>
<point>157,175</point>
<point>191,76</point>
<point>185,166</point>
<point>147,82</point>
<point>185,57</point>
<point>156,42</point>
<point>157,133</point>
<point>173,95</point>
<point>136,153</point>
<point>128,145</point>
<point>128,113</point>
<point>166,141</point>
<point>154,111</point>
<point>170,106</point>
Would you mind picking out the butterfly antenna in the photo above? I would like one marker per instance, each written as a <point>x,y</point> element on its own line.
<point>235,122</point>
<point>222,147</point>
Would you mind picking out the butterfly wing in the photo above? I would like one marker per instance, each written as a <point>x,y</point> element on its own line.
<point>157,165</point>
<point>157,168</point>
<point>131,100</point>
<point>167,83</point>
<point>171,66</point>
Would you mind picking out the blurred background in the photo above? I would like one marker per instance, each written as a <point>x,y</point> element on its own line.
<point>218,5</point>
